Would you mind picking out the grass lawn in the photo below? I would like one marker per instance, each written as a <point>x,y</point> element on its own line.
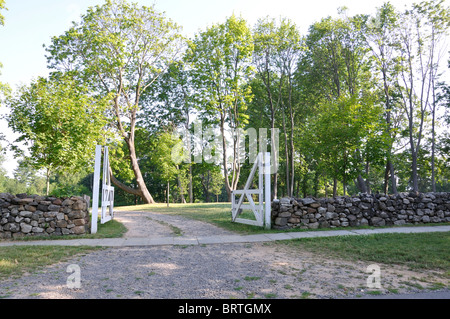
<point>15,260</point>
<point>415,250</point>
<point>219,214</point>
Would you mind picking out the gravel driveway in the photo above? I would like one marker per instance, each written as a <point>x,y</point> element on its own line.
<point>256,270</point>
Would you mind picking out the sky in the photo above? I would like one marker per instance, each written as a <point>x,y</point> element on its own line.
<point>31,23</point>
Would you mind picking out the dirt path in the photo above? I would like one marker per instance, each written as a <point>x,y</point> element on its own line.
<point>256,270</point>
<point>153,225</point>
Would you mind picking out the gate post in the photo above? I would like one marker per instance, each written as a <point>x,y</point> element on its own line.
<point>267,191</point>
<point>98,159</point>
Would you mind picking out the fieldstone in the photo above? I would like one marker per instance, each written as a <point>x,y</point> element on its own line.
<point>426,219</point>
<point>307,201</point>
<point>330,215</point>
<point>79,205</point>
<point>61,223</point>
<point>322,210</point>
<point>67,202</point>
<point>26,213</point>
<point>324,224</point>
<point>37,230</point>
<point>76,214</point>
<point>60,216</point>
<point>30,208</point>
<point>364,222</point>
<point>50,214</point>
<point>53,207</point>
<point>81,230</point>
<point>364,206</point>
<point>384,215</point>
<point>377,221</point>
<point>280,221</point>
<point>313,225</point>
<point>25,228</point>
<point>335,223</point>
<point>400,222</point>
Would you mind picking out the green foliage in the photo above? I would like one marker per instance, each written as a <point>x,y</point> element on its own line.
<point>220,60</point>
<point>59,122</point>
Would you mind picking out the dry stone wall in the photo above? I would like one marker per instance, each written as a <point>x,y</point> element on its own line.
<point>360,210</point>
<point>33,215</point>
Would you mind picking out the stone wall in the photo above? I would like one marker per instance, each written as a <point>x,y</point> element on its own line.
<point>33,215</point>
<point>362,209</point>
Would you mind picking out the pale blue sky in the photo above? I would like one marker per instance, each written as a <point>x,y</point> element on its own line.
<point>31,23</point>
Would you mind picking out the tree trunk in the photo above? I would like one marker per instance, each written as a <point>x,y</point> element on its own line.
<point>191,197</point>
<point>286,150</point>
<point>131,190</point>
<point>180,186</point>
<point>361,184</point>
<point>433,137</point>
<point>168,189</point>
<point>144,193</point>
<point>224,159</point>
<point>274,153</point>
<point>393,181</point>
<point>414,177</point>
<point>47,183</point>
<point>334,187</point>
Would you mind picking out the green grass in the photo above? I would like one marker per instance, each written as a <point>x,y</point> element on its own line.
<point>219,214</point>
<point>15,260</point>
<point>414,250</point>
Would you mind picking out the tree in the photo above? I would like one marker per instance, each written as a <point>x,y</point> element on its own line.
<point>59,122</point>
<point>163,156</point>
<point>380,38</point>
<point>334,67</point>
<point>171,104</point>
<point>277,49</point>
<point>119,49</point>
<point>219,59</point>
<point>417,35</point>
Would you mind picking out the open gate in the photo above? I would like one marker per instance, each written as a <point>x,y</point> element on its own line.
<point>262,209</point>
<point>107,194</point>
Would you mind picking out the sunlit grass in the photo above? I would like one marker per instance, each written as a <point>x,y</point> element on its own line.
<point>218,214</point>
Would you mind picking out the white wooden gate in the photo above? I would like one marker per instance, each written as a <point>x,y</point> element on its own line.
<point>261,210</point>
<point>107,195</point>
